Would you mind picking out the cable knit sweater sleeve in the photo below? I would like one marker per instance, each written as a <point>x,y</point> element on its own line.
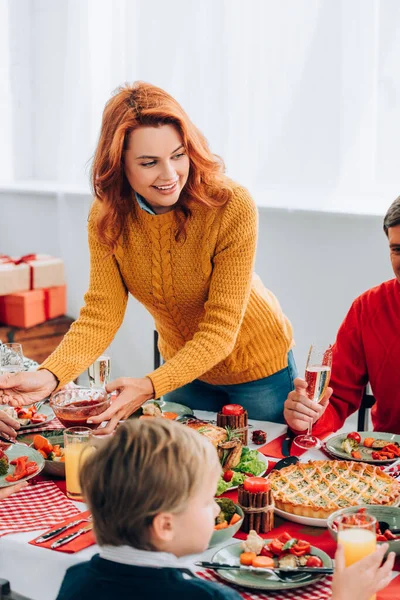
<point>229,292</point>
<point>99,319</point>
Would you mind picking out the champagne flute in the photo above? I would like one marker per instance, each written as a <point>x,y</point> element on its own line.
<point>11,358</point>
<point>317,376</point>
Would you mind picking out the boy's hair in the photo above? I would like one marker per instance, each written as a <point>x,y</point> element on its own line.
<point>392,217</point>
<point>148,466</point>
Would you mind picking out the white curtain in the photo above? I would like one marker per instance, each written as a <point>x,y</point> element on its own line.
<point>300,97</point>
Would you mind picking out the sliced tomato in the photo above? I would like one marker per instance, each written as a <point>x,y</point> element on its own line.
<point>284,537</point>
<point>276,547</point>
<point>38,418</point>
<point>232,410</point>
<point>302,547</point>
<point>266,552</point>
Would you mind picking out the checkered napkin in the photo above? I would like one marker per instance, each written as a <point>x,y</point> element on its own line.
<point>35,507</point>
<point>321,590</point>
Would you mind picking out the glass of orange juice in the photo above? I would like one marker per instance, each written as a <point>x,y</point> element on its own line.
<point>76,450</point>
<point>357,536</point>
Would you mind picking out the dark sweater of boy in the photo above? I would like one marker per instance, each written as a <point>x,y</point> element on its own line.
<point>101,579</point>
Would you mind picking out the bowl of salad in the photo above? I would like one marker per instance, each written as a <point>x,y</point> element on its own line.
<point>227,522</point>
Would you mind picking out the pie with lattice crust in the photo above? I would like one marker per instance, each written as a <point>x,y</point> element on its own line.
<point>318,488</point>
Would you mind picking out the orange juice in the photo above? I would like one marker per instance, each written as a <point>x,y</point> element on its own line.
<point>75,455</point>
<point>357,543</point>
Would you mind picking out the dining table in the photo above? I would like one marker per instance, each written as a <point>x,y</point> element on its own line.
<point>37,572</point>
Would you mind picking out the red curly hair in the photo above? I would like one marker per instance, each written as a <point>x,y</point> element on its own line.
<point>143,104</point>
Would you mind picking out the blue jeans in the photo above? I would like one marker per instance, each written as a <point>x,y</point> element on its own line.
<point>263,399</point>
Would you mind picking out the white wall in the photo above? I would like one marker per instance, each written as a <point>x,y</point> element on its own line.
<point>316,263</point>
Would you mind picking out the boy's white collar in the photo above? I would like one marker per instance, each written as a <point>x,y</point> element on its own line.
<point>141,558</point>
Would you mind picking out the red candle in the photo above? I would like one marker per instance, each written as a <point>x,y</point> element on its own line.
<point>255,485</point>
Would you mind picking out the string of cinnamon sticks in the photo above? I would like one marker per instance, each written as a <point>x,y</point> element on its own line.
<point>258,510</point>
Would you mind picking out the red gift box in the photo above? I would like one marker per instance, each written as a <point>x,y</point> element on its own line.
<point>27,309</point>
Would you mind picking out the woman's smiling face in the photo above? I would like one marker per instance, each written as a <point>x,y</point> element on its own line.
<point>156,165</point>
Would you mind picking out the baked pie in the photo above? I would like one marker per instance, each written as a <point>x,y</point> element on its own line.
<point>318,488</point>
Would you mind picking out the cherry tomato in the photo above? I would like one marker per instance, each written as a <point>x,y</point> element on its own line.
<point>314,561</point>
<point>228,475</point>
<point>232,410</point>
<point>354,436</point>
<point>256,484</point>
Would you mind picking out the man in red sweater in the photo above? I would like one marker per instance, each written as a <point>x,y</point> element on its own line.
<point>367,349</point>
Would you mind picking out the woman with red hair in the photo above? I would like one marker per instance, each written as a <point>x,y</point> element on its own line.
<point>169,227</point>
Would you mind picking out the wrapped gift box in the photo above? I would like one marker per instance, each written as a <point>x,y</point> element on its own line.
<point>13,278</point>
<point>27,309</point>
<point>30,272</point>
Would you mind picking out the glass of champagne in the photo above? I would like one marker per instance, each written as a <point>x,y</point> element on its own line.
<point>77,449</point>
<point>357,536</point>
<point>11,358</point>
<point>317,376</point>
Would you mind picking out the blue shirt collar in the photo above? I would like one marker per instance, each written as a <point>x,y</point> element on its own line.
<point>143,205</point>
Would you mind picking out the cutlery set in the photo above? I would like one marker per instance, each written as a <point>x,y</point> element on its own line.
<point>67,538</point>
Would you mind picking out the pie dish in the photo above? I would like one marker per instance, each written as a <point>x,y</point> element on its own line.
<point>318,488</point>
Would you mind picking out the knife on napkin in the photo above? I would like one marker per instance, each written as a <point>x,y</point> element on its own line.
<point>56,532</point>
<point>72,536</point>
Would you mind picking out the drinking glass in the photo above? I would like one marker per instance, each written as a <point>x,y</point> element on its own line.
<point>99,371</point>
<point>317,376</point>
<point>11,358</point>
<point>357,536</point>
<point>76,450</point>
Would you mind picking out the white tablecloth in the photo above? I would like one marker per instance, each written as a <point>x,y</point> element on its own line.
<point>38,572</point>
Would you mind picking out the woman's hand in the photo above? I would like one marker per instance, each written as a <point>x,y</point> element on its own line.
<point>12,489</point>
<point>364,578</point>
<point>8,425</point>
<point>28,387</point>
<point>299,411</point>
<point>132,393</point>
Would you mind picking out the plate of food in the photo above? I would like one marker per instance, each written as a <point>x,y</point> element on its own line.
<point>308,493</point>
<point>227,522</point>
<point>30,416</point>
<point>370,447</point>
<point>50,445</point>
<point>19,463</point>
<point>256,559</point>
<point>388,523</point>
<point>169,410</point>
<point>237,460</point>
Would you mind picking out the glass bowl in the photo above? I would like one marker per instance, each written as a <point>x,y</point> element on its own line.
<point>74,406</point>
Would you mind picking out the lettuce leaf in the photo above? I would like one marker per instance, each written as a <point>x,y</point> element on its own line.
<point>250,462</point>
<point>222,486</point>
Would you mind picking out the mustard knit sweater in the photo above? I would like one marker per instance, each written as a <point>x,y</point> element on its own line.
<point>215,319</point>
